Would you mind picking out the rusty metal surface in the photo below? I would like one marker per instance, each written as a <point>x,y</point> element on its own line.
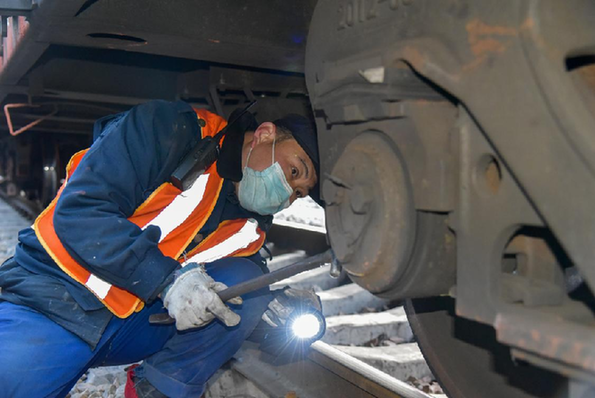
<point>518,154</point>
<point>469,361</point>
<point>370,211</point>
<point>34,123</point>
<point>535,278</point>
<point>19,49</point>
<point>482,53</point>
<point>384,244</point>
<point>551,337</point>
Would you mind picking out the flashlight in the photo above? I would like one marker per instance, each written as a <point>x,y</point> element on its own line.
<point>290,340</point>
<point>307,325</point>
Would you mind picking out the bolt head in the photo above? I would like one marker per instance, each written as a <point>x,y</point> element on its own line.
<point>360,198</point>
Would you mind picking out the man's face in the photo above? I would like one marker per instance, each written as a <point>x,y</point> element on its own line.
<point>296,164</point>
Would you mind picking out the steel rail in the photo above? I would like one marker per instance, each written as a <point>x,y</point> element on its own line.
<point>345,365</point>
<point>21,206</point>
<point>324,372</point>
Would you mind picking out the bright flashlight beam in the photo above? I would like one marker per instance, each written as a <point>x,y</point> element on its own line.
<point>306,326</point>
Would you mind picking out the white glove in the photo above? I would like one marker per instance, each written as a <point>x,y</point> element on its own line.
<point>193,302</point>
<point>286,301</point>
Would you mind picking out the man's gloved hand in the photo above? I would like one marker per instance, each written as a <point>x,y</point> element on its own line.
<point>286,301</point>
<point>192,299</point>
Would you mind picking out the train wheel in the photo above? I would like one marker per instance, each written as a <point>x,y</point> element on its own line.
<point>468,361</point>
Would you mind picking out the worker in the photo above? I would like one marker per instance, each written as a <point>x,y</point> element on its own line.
<point>120,243</point>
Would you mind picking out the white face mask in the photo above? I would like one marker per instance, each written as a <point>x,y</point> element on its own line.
<point>264,192</point>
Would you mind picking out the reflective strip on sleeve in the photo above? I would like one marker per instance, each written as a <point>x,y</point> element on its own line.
<point>98,286</point>
<point>180,208</point>
<point>240,240</point>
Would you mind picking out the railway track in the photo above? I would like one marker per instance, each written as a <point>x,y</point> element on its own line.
<point>12,220</point>
<point>368,350</point>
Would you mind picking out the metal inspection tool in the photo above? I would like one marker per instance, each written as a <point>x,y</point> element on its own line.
<point>259,282</point>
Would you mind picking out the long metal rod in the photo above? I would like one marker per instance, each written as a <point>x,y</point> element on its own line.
<point>275,276</point>
<point>325,372</point>
<point>261,281</point>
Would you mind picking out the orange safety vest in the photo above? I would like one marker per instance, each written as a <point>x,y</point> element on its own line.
<point>179,215</point>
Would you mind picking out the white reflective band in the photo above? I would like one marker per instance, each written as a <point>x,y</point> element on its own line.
<point>98,286</point>
<point>240,240</point>
<point>180,208</point>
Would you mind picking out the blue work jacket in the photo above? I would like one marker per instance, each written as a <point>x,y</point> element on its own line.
<point>134,153</point>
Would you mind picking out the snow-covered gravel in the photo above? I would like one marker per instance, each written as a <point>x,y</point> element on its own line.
<point>107,382</point>
<point>12,222</point>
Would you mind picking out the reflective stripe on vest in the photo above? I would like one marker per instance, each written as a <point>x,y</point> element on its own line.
<point>231,238</point>
<point>179,216</point>
<point>118,301</point>
<point>180,208</point>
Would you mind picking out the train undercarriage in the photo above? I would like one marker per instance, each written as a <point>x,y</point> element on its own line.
<point>458,169</point>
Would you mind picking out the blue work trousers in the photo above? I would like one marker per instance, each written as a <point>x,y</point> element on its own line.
<point>39,358</point>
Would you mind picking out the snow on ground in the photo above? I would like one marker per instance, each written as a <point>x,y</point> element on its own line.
<point>12,222</point>
<point>107,382</point>
<point>303,211</point>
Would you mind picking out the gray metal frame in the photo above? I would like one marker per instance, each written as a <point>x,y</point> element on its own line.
<point>518,154</point>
